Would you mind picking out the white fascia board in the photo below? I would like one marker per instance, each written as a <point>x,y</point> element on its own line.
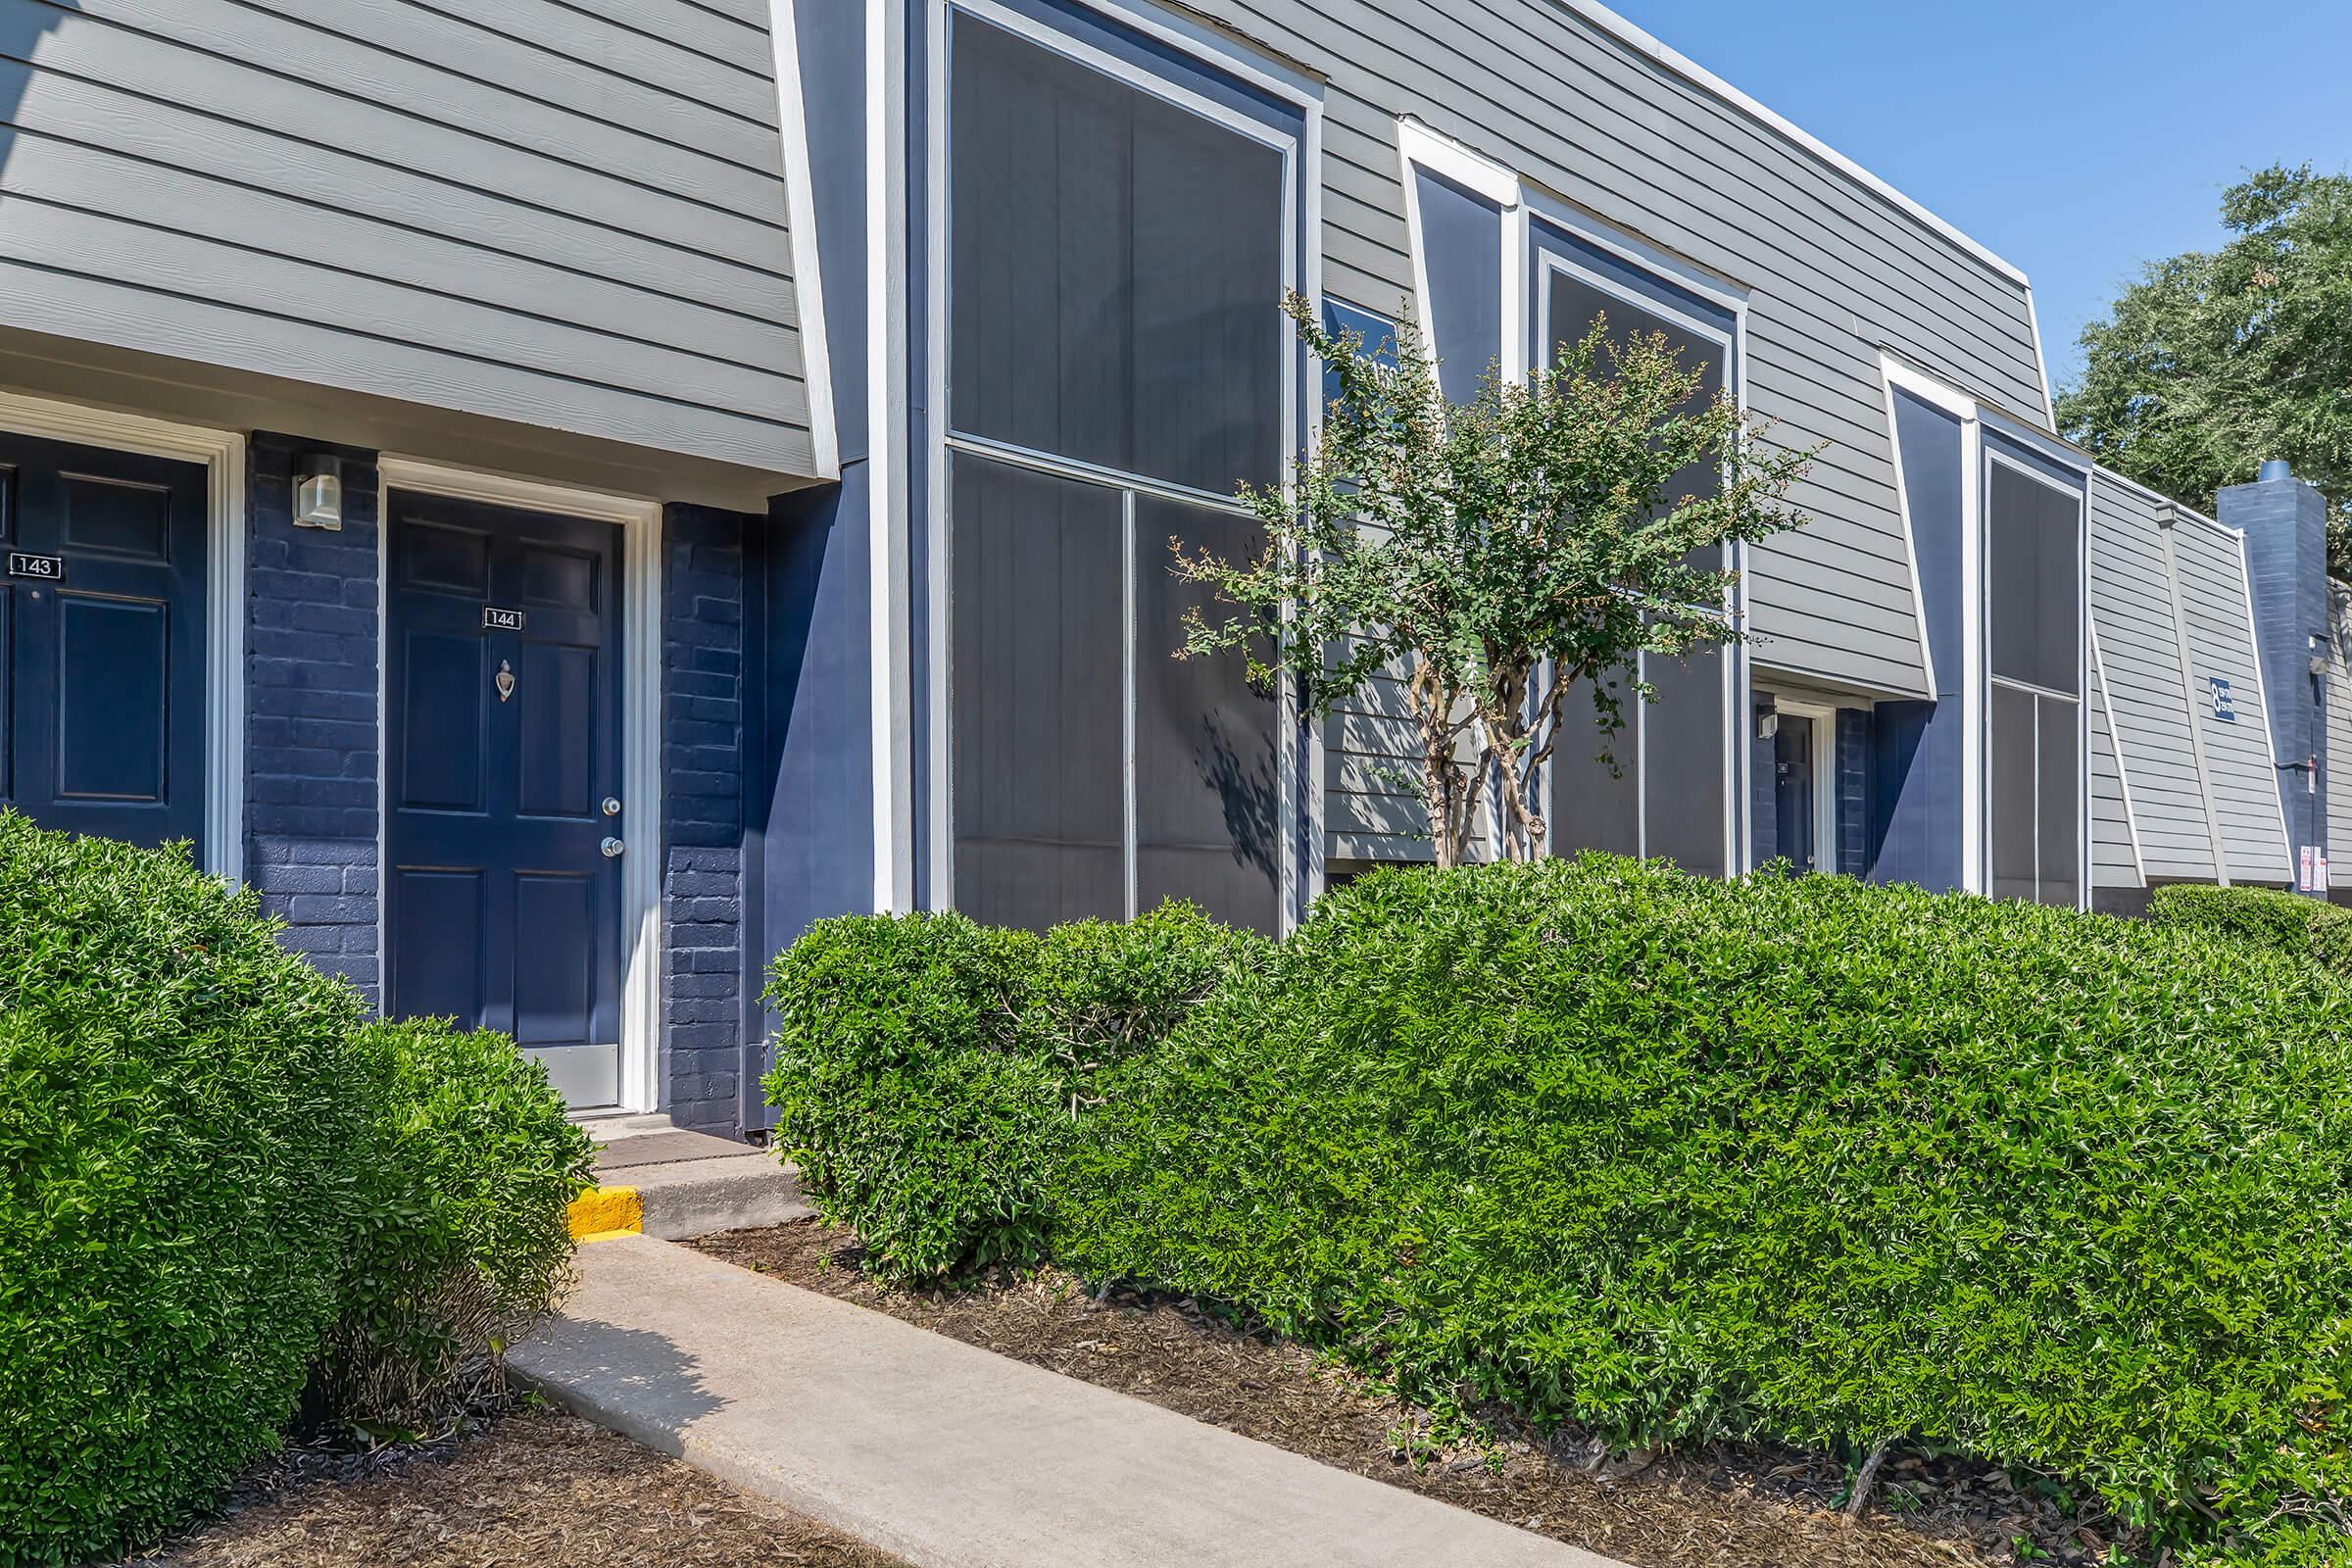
<point>800,201</point>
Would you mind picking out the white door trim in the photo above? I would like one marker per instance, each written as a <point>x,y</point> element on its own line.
<point>222,453</point>
<point>1824,719</point>
<point>640,520</point>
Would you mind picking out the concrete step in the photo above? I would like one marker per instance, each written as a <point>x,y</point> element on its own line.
<point>949,1455</point>
<point>692,1184</point>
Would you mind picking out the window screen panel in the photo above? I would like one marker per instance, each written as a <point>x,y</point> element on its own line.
<point>1207,780</point>
<point>1041,258</point>
<point>1035,689</point>
<point>1461,247</point>
<point>2058,727</point>
<point>1117,270</point>
<point>2035,584</point>
<point>2015,831</point>
<point>1593,807</point>
<point>1210,335</point>
<point>1683,763</point>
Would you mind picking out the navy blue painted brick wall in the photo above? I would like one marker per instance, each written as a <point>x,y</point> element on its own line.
<point>1853,792</point>
<point>703,717</point>
<point>311,694</point>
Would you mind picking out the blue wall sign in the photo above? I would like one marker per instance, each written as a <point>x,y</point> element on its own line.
<point>2224,707</point>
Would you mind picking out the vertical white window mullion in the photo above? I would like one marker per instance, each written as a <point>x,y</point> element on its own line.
<point>2038,699</point>
<point>1641,726</point>
<point>1129,669</point>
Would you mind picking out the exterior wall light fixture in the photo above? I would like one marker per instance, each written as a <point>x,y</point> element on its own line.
<point>318,491</point>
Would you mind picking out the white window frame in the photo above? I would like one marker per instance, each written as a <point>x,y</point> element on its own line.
<point>1301,878</point>
<point>1422,150</point>
<point>640,1087</point>
<point>222,453</point>
<point>1982,680</point>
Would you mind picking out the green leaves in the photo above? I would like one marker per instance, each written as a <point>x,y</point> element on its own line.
<point>462,1241</point>
<point>1797,1159</point>
<point>2212,362</point>
<point>213,1175</point>
<point>929,1072</point>
<point>1497,554</point>
<point>177,1138</point>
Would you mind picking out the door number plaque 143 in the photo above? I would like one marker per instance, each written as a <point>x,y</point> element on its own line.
<point>40,568</point>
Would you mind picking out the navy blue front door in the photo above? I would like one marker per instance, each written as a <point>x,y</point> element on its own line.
<point>102,640</point>
<point>503,769</point>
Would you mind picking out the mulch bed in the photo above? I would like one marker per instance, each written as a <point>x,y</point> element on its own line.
<point>533,1488</point>
<point>1723,1506</point>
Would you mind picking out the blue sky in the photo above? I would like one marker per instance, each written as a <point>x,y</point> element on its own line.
<point>2076,137</point>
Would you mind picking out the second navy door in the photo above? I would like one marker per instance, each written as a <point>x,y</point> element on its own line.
<point>503,769</point>
<point>102,640</point>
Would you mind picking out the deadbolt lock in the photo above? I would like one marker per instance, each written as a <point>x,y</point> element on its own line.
<point>611,806</point>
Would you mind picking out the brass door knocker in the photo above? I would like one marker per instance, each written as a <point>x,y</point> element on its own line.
<point>505,680</point>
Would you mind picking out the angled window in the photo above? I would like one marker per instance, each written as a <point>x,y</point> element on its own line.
<point>2034,523</point>
<point>1465,223</point>
<point>1671,793</point>
<point>1461,254</point>
<point>1119,242</point>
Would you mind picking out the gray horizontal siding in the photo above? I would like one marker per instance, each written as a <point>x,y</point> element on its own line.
<point>2221,638</point>
<point>1834,270</point>
<point>2147,686</point>
<point>568,216</point>
<point>2112,861</point>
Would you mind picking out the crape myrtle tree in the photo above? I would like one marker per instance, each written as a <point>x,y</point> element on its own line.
<point>1498,553</point>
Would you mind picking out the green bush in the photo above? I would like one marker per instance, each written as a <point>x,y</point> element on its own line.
<point>2331,940</point>
<point>1797,1159</point>
<point>929,1070</point>
<point>179,1150</point>
<point>2263,917</point>
<point>220,1186</point>
<point>464,1243</point>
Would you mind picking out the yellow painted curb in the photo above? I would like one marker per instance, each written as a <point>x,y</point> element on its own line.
<point>604,1213</point>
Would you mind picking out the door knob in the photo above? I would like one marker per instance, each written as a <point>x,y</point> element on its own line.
<point>614,849</point>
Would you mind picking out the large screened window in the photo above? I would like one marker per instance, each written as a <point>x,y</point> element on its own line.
<point>1669,794</point>
<point>1117,249</point>
<point>1116,269</point>
<point>2034,611</point>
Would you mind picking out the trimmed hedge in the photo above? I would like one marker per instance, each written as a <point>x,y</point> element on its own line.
<point>181,1148</point>
<point>2266,917</point>
<point>929,1069</point>
<point>464,1243</point>
<point>220,1186</point>
<point>1798,1160</point>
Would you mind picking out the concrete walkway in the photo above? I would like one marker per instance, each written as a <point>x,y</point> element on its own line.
<point>952,1456</point>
